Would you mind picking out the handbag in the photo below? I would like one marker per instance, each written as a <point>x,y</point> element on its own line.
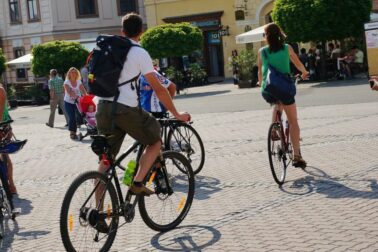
<point>278,84</point>
<point>60,110</point>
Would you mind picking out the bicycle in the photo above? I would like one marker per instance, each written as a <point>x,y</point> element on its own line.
<point>8,144</point>
<point>81,217</point>
<point>182,137</point>
<point>280,150</point>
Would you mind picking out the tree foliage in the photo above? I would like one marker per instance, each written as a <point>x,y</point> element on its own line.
<point>321,20</point>
<point>60,55</point>
<point>2,62</point>
<point>172,40</point>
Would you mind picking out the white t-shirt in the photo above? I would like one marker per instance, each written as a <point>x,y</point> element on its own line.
<point>138,61</point>
<point>76,90</point>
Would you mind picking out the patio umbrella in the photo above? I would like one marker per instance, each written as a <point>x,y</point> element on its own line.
<point>21,62</point>
<point>254,35</point>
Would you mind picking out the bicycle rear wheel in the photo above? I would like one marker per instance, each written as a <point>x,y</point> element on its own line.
<point>184,138</point>
<point>276,153</point>
<point>166,209</point>
<point>80,214</point>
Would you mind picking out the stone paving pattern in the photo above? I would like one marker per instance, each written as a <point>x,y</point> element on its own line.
<point>331,206</point>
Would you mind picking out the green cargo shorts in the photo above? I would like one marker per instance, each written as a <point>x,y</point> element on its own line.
<point>139,124</point>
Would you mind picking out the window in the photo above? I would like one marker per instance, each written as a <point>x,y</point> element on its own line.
<point>14,11</point>
<point>21,73</point>
<point>126,6</point>
<point>33,10</point>
<point>239,15</point>
<point>86,8</point>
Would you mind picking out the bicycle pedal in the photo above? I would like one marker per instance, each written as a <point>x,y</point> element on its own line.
<point>17,210</point>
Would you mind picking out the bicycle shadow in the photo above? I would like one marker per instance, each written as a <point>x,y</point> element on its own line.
<point>203,94</point>
<point>320,182</point>
<point>186,238</point>
<point>205,186</point>
<point>24,204</point>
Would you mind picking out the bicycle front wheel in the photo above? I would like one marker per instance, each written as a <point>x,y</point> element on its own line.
<point>167,208</point>
<point>87,223</point>
<point>184,138</point>
<point>276,153</point>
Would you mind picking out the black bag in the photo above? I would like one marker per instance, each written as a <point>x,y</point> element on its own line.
<point>278,84</point>
<point>106,63</point>
<point>60,110</point>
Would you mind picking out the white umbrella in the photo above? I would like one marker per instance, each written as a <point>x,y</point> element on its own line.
<point>254,35</point>
<point>21,62</point>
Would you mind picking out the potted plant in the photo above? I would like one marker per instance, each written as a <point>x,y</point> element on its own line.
<point>11,96</point>
<point>244,63</point>
<point>176,76</point>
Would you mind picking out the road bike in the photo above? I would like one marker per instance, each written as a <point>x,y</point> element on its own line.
<point>280,150</point>
<point>95,200</point>
<point>182,137</point>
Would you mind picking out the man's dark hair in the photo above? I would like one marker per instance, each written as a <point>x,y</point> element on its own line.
<point>132,24</point>
<point>303,50</point>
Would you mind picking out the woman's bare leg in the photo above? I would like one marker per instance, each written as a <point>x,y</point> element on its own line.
<point>291,113</point>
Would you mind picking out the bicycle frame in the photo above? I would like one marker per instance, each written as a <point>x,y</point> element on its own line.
<point>286,140</point>
<point>168,124</point>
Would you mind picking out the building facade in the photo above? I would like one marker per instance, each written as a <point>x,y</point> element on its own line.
<point>220,23</point>
<point>24,23</point>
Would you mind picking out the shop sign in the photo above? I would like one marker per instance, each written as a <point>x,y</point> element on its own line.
<point>214,38</point>
<point>205,23</point>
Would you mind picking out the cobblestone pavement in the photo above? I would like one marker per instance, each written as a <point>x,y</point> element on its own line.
<point>331,206</point>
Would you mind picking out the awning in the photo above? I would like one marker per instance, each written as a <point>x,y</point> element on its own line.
<point>21,62</point>
<point>254,35</point>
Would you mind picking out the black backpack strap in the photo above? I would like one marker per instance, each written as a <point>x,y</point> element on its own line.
<point>131,81</point>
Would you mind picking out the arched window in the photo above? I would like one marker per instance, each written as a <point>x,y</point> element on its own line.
<point>239,15</point>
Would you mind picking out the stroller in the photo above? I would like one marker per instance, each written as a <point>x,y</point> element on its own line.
<point>84,105</point>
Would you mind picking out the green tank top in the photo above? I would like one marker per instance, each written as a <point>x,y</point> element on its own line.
<point>279,60</point>
<point>6,112</point>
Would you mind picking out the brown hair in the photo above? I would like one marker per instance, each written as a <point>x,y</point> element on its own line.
<point>274,37</point>
<point>132,24</point>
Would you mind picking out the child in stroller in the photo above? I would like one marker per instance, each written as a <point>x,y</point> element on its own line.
<point>87,109</point>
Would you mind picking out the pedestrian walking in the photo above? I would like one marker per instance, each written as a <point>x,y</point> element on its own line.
<point>56,96</point>
<point>84,77</point>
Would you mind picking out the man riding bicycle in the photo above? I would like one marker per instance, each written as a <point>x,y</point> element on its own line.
<point>148,98</point>
<point>128,117</point>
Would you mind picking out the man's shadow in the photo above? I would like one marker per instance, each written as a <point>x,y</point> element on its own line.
<point>205,186</point>
<point>186,238</point>
<point>319,181</point>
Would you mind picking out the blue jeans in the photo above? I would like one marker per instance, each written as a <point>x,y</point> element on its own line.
<point>71,112</point>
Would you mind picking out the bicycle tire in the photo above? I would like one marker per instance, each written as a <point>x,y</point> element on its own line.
<point>185,133</point>
<point>176,178</point>
<point>276,153</point>
<point>2,224</point>
<point>66,218</point>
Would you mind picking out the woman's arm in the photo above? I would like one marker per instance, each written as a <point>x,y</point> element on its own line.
<point>297,63</point>
<point>82,89</point>
<point>69,91</point>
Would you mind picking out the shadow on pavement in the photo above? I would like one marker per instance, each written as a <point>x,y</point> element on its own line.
<point>24,204</point>
<point>186,238</point>
<point>320,182</point>
<point>342,83</point>
<point>12,229</point>
<point>201,94</point>
<point>205,186</point>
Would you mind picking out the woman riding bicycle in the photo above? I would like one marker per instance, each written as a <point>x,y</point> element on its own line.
<point>279,54</point>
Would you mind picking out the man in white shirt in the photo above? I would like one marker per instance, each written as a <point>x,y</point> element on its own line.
<point>128,117</point>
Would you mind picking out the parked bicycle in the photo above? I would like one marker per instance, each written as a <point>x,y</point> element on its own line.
<point>8,144</point>
<point>95,199</point>
<point>182,137</point>
<point>280,150</point>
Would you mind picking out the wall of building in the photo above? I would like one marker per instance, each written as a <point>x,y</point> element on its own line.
<point>58,22</point>
<point>157,10</point>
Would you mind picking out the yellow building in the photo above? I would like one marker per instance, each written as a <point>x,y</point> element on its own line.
<point>220,21</point>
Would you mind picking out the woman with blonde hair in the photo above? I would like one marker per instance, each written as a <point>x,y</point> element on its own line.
<point>279,54</point>
<point>73,88</point>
